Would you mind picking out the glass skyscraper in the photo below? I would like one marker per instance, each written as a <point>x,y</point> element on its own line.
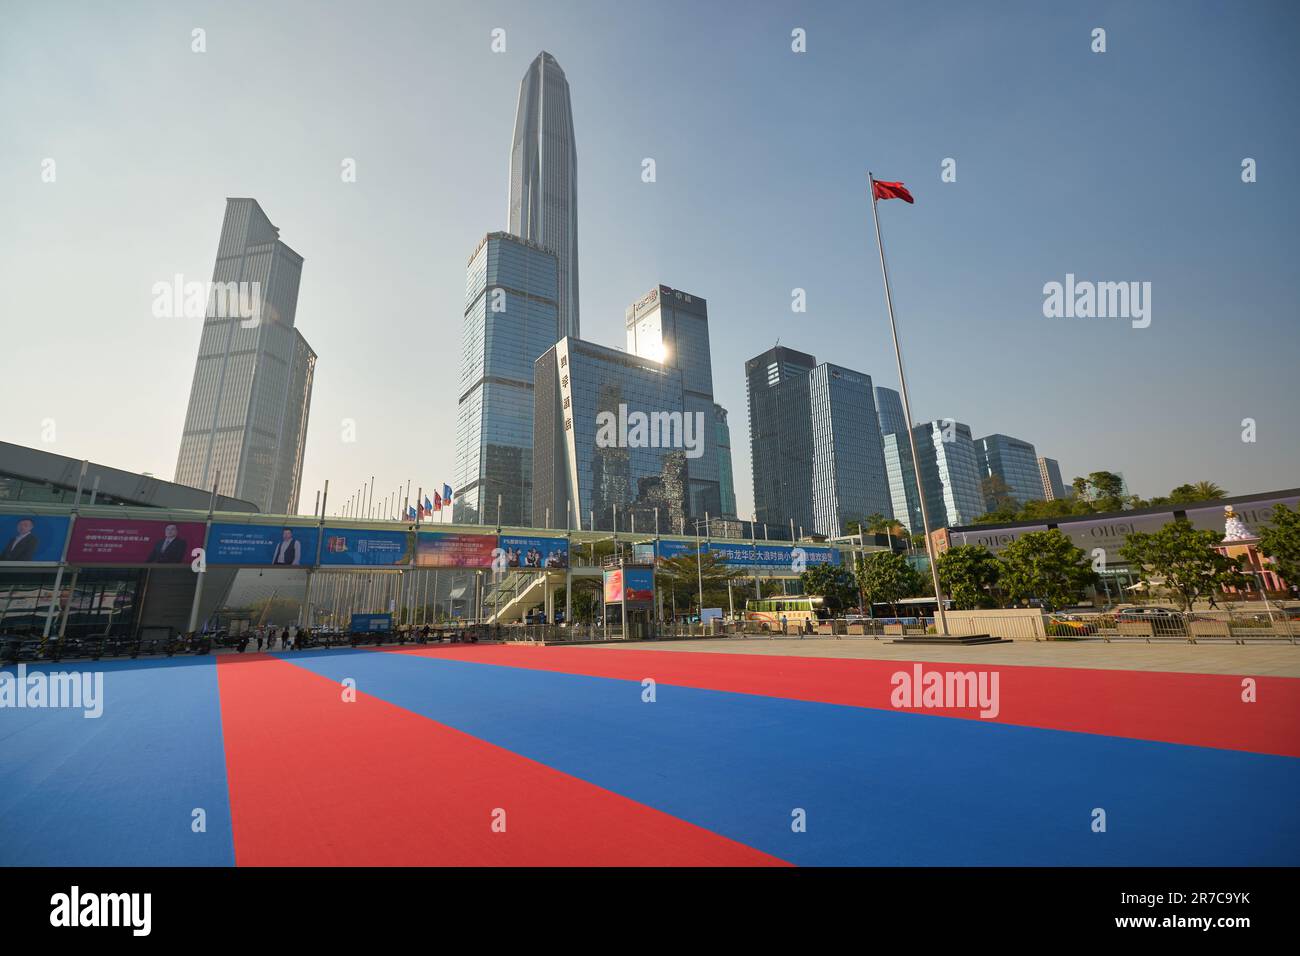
<point>247,418</point>
<point>511,318</point>
<point>950,472</point>
<point>671,327</point>
<point>816,442</point>
<point>780,436</point>
<point>1015,462</point>
<point>726,478</point>
<point>1049,470</point>
<point>889,409</point>
<point>599,483</point>
<point>544,177</point>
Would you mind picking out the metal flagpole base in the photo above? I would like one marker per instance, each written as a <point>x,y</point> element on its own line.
<point>951,639</point>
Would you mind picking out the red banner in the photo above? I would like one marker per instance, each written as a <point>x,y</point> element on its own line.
<point>126,541</point>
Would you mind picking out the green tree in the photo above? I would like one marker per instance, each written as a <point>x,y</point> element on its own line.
<point>834,582</point>
<point>680,578</point>
<point>968,573</point>
<point>997,495</point>
<point>1045,565</point>
<point>1201,491</point>
<point>887,578</point>
<point>586,600</point>
<point>1281,542</point>
<point>1184,558</point>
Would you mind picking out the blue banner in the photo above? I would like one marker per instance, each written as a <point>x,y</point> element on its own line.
<point>539,553</point>
<point>262,545</point>
<point>755,556</point>
<point>361,548</point>
<point>371,623</point>
<point>32,537</point>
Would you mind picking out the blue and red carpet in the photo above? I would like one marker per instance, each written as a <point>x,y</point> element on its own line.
<point>496,755</point>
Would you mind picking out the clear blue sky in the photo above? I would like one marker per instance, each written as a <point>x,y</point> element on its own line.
<point>1116,166</point>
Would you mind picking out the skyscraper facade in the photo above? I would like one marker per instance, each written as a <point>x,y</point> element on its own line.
<point>950,475</point>
<point>780,439</point>
<point>1049,471</point>
<point>671,327</point>
<point>816,443</point>
<point>613,442</point>
<point>246,426</point>
<point>1015,462</point>
<point>544,177</point>
<point>511,318</point>
<point>849,481</point>
<point>889,409</point>
<point>726,477</point>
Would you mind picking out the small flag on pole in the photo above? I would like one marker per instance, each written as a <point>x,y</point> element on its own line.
<point>437,501</point>
<point>890,191</point>
<point>446,493</point>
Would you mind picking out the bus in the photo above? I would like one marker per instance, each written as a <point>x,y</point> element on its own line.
<point>795,608</point>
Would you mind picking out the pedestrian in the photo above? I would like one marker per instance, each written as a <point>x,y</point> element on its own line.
<point>783,621</point>
<point>1213,603</point>
<point>259,642</point>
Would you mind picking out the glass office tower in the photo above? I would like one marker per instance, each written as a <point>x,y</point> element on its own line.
<point>543,204</point>
<point>1015,462</point>
<point>726,478</point>
<point>251,393</point>
<point>1049,470</point>
<point>950,471</point>
<point>511,318</point>
<point>816,440</point>
<point>780,437</point>
<point>599,483</point>
<point>889,409</point>
<point>671,327</point>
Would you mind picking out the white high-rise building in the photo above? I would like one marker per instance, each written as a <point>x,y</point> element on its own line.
<point>247,418</point>
<point>544,177</point>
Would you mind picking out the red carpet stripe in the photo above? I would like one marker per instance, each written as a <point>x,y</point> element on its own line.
<point>1204,710</point>
<point>315,781</point>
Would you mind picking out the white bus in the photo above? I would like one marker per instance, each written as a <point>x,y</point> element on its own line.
<point>796,608</point>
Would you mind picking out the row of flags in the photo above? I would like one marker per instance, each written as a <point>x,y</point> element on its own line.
<point>422,509</point>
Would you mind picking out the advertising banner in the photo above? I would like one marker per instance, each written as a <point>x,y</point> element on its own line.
<point>32,537</point>
<point>636,584</point>
<point>371,623</point>
<point>450,549</point>
<point>1110,534</point>
<point>540,553</point>
<point>993,540</point>
<point>1257,515</point>
<point>367,549</point>
<point>128,541</point>
<point>755,556</point>
<point>262,545</point>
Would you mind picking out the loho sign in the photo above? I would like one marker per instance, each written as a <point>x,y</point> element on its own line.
<point>995,539</point>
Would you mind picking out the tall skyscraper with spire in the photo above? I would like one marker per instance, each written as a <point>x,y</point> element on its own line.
<point>544,177</point>
<point>247,418</point>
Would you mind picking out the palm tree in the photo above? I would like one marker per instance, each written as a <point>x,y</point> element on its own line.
<point>1208,491</point>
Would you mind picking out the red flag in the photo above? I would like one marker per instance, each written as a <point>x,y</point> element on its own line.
<point>437,501</point>
<point>891,191</point>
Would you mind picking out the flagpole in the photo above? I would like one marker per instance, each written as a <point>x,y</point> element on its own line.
<point>907,414</point>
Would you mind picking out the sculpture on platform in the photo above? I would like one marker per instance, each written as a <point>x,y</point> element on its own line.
<point>1234,529</point>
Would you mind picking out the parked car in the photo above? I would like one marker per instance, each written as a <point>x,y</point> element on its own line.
<point>1069,625</point>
